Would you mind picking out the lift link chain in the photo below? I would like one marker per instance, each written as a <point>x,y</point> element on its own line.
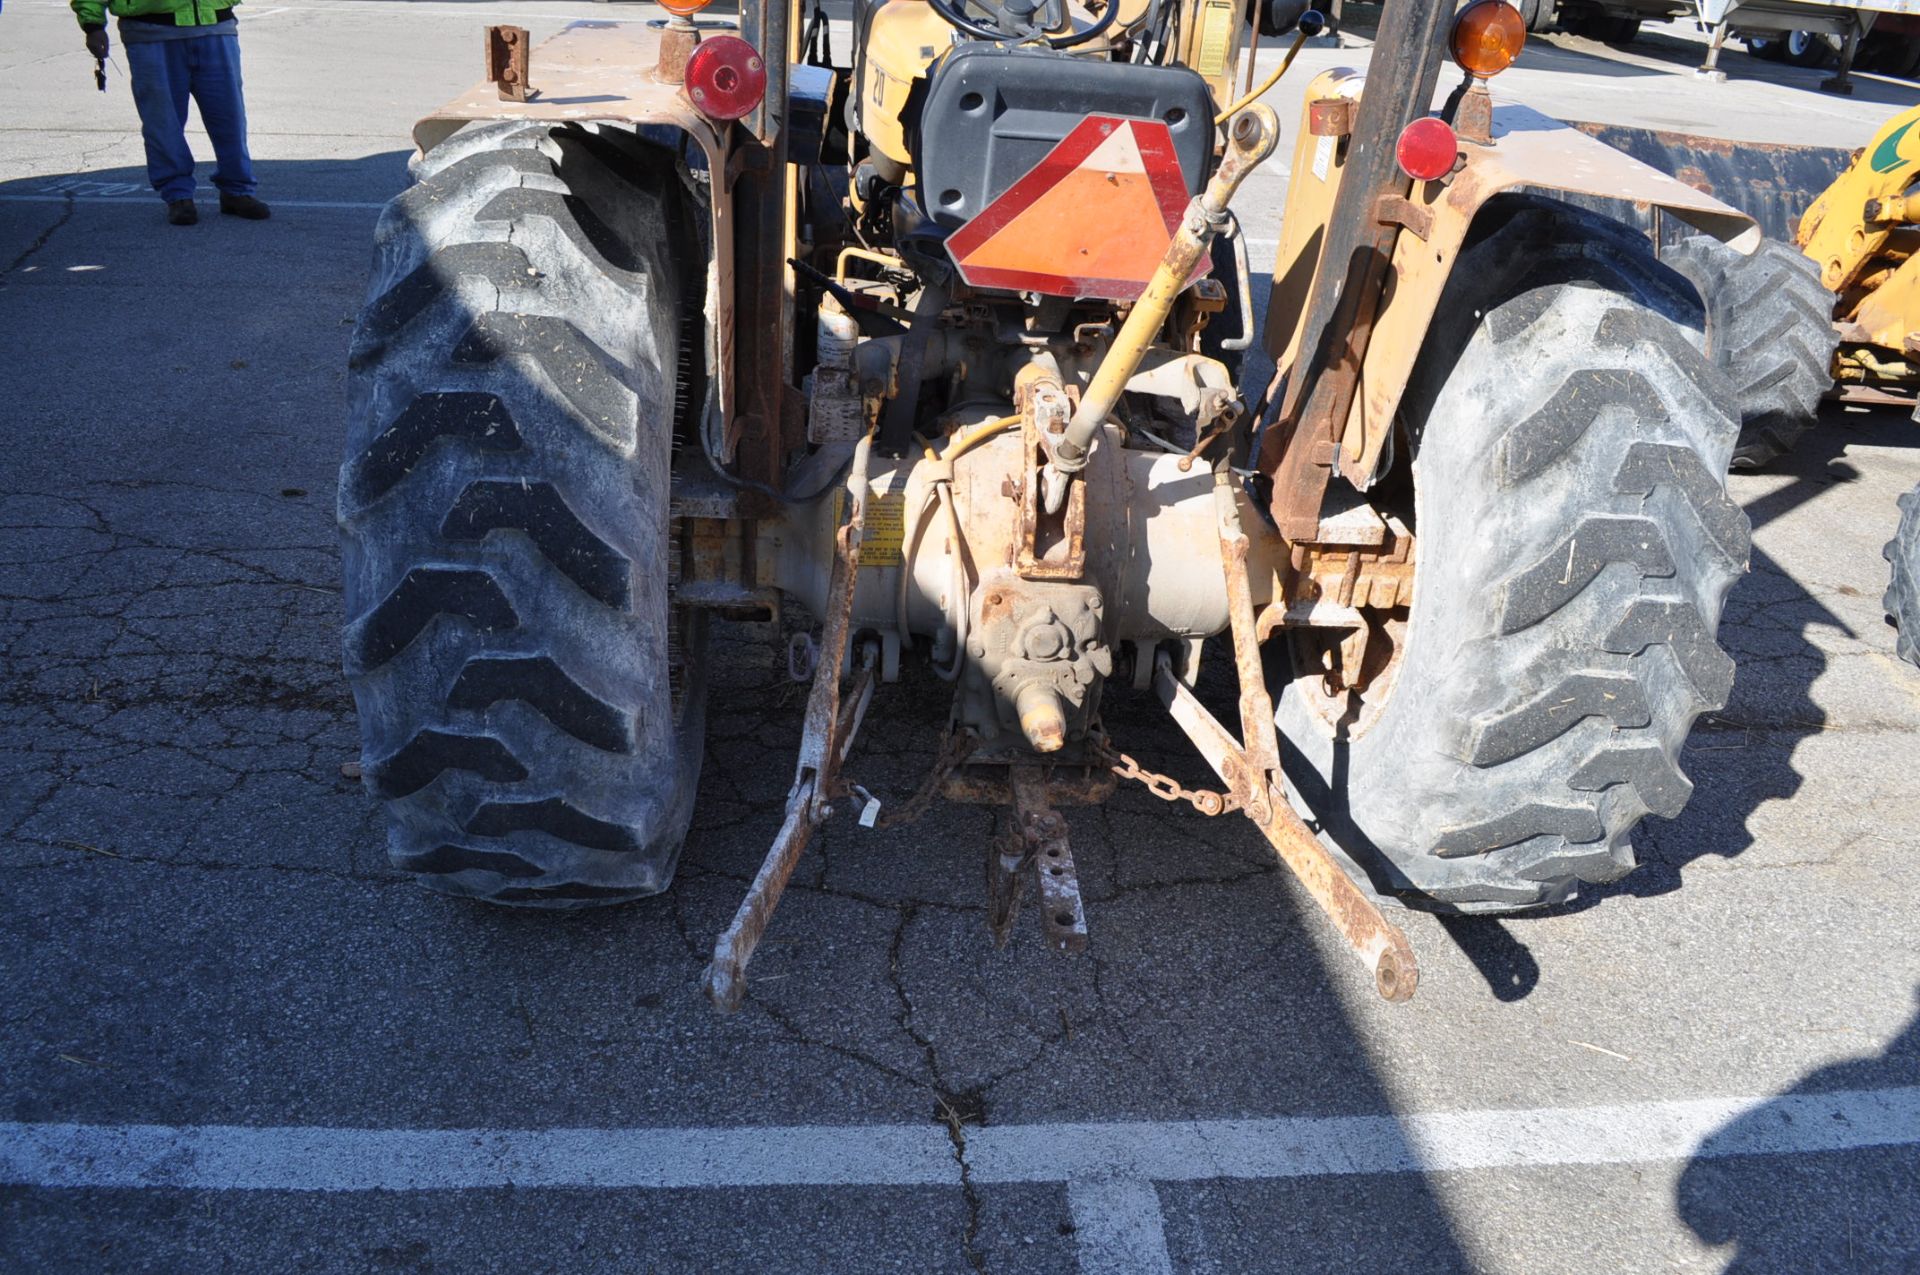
<point>953,750</point>
<point>1165,787</point>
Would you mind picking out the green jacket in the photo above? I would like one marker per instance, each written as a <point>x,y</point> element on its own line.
<point>186,13</point>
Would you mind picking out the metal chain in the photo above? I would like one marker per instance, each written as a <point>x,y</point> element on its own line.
<point>1165,787</point>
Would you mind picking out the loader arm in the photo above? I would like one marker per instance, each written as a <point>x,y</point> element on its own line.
<point>1851,222</point>
<point>1860,233</point>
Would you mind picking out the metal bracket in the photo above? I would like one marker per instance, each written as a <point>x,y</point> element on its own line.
<point>1396,210</point>
<point>824,743</point>
<point>1034,835</point>
<point>1377,941</point>
<point>506,55</point>
<point>1044,415</point>
<point>1250,771</point>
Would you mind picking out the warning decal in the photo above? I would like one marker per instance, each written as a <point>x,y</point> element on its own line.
<point>1092,219</point>
<point>885,531</point>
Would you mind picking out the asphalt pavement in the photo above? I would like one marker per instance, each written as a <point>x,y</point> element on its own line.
<point>233,1039</point>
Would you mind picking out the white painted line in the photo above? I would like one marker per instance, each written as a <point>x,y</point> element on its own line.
<point>315,1158</point>
<point>1117,1227</point>
<point>1443,1141</point>
<point>232,1157</point>
<point>350,205</point>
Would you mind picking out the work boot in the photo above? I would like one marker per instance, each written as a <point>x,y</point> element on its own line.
<point>244,206</point>
<point>181,212</point>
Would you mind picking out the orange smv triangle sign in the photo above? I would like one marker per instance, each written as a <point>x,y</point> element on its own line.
<point>1092,219</point>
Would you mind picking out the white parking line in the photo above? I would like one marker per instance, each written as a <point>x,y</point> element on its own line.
<point>1117,1227</point>
<point>1109,1168</point>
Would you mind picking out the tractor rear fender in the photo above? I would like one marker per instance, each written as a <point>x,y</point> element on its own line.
<point>604,72</point>
<point>1529,152</point>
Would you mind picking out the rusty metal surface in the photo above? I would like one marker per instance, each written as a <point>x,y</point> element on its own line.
<point>1052,545</point>
<point>1379,943</point>
<point>770,421</point>
<point>1330,116</point>
<point>589,71</point>
<point>1356,576</point>
<point>1873,396</point>
<point>506,62</point>
<point>1529,152</point>
<point>824,741</point>
<point>1007,860</point>
<point>725,978</point>
<point>1063,916</point>
<point>1473,118</point>
<point>1032,835</point>
<point>1260,748</point>
<point>1073,783</point>
<point>1297,450</point>
<point>605,72</point>
<point>677,42</point>
<point>1396,210</point>
<point>1772,182</point>
<point>1165,787</point>
<point>1250,771</point>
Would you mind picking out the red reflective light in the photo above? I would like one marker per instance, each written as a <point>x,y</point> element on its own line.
<point>725,77</point>
<point>1427,149</point>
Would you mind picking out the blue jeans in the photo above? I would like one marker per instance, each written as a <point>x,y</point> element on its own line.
<point>164,73</point>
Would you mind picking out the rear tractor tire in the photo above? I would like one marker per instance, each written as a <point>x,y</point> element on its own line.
<point>530,701</point>
<point>1574,544</point>
<point>1770,329</point>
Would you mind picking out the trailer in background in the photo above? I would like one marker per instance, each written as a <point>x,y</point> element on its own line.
<point>1813,32</point>
<point>1882,35</point>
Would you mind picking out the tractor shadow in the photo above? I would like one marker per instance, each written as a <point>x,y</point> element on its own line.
<point>1780,1212</point>
<point>1782,632</point>
<point>332,186</point>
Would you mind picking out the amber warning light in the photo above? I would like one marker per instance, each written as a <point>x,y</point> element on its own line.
<point>1487,37</point>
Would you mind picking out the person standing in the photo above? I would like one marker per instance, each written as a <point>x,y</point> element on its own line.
<point>177,49</point>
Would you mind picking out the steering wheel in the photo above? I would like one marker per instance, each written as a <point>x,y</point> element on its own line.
<point>950,11</point>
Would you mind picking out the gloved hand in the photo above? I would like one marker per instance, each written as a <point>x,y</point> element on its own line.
<point>97,43</point>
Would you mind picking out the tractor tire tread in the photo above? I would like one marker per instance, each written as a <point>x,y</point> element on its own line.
<point>1568,650</point>
<point>1902,599</point>
<point>1770,329</point>
<point>504,509</point>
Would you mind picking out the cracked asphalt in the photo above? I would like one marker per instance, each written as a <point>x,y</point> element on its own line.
<point>200,926</point>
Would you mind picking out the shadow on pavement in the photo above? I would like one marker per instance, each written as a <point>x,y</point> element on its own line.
<point>1741,757</point>
<point>368,179</point>
<point>1851,1210</point>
